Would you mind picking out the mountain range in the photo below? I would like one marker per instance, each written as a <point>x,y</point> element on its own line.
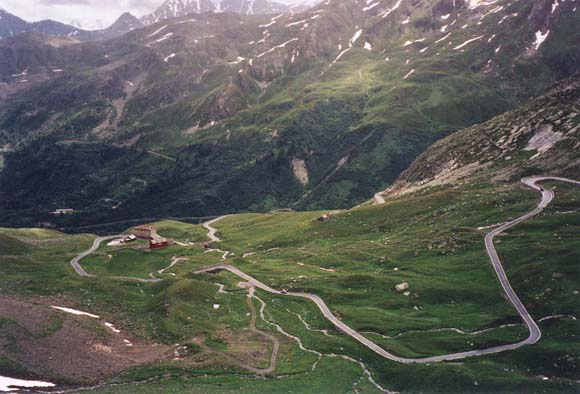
<point>11,25</point>
<point>177,8</point>
<point>408,275</point>
<point>223,112</point>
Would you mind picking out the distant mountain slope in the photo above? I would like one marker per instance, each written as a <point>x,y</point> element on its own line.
<point>304,5</point>
<point>124,24</point>
<point>226,112</point>
<point>177,8</point>
<point>11,25</point>
<point>540,138</point>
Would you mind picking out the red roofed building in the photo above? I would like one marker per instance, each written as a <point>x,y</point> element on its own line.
<point>158,242</point>
<point>149,233</point>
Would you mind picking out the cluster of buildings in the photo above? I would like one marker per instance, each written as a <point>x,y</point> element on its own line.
<point>149,233</point>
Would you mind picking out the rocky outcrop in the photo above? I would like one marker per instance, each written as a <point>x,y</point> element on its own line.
<point>544,135</point>
<point>300,171</point>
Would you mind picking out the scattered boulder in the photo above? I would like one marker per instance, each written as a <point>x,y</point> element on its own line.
<point>326,217</point>
<point>402,287</point>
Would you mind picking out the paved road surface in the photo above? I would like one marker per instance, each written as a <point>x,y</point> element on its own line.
<point>96,244</point>
<point>534,330</point>
<point>75,263</point>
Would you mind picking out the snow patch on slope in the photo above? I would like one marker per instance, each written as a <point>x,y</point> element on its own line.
<point>540,38</point>
<point>467,42</point>
<point>75,312</point>
<point>390,10</point>
<point>356,36</point>
<point>10,384</point>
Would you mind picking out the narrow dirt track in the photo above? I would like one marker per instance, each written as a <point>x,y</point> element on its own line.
<point>212,230</point>
<point>252,327</point>
<point>275,341</point>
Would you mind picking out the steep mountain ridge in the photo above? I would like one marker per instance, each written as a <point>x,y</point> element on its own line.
<point>125,23</point>
<point>178,8</point>
<point>540,138</point>
<point>11,25</point>
<point>232,112</point>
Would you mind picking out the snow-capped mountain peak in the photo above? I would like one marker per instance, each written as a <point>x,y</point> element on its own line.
<point>177,8</point>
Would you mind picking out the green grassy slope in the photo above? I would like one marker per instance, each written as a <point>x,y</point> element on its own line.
<point>430,240</point>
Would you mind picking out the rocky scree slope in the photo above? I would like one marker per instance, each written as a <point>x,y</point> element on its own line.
<point>227,112</point>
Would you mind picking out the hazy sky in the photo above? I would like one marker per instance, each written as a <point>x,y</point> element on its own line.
<point>89,13</point>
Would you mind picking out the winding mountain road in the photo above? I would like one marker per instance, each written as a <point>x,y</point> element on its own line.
<point>534,331</point>
<point>75,263</point>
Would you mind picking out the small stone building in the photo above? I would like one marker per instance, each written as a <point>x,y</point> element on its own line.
<point>145,232</point>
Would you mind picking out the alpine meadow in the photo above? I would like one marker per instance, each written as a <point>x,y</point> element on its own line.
<point>337,196</point>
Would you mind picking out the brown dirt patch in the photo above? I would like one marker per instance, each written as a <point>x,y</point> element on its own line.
<point>57,345</point>
<point>247,346</point>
